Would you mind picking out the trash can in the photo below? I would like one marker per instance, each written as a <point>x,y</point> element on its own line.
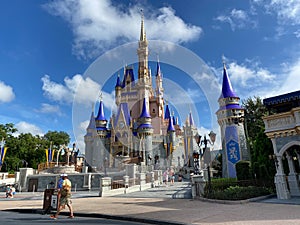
<point>50,200</point>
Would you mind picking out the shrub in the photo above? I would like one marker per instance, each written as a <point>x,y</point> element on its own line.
<point>243,170</point>
<point>240,193</point>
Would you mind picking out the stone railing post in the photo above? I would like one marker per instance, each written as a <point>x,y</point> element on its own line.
<point>141,179</point>
<point>152,179</point>
<point>105,185</point>
<point>198,185</point>
<point>160,177</point>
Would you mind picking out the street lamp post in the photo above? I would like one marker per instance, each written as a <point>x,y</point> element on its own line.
<point>105,164</point>
<point>206,154</point>
<point>196,163</point>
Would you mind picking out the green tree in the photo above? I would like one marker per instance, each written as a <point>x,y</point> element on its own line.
<point>259,144</point>
<point>28,150</point>
<point>25,150</point>
<point>6,130</point>
<point>57,138</point>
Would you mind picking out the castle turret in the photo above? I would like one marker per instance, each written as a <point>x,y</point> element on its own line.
<point>159,89</point>
<point>191,119</point>
<point>101,121</point>
<point>145,131</point>
<point>167,113</point>
<point>101,145</point>
<point>230,118</point>
<point>118,88</point>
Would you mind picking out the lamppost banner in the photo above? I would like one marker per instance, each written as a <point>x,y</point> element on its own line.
<point>3,152</point>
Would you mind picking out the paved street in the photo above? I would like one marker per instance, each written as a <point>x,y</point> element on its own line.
<point>159,206</point>
<point>12,218</point>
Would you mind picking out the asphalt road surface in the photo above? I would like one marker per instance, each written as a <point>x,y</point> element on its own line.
<point>12,218</point>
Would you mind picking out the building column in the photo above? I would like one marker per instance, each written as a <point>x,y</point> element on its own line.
<point>280,181</point>
<point>280,178</point>
<point>293,177</point>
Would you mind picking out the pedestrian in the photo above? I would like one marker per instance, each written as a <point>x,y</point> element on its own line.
<point>172,176</point>
<point>166,176</point>
<point>65,197</point>
<point>9,193</point>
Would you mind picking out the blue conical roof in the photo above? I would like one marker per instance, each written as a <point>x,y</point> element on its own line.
<point>100,115</point>
<point>145,113</point>
<point>167,113</point>
<point>118,83</point>
<point>174,120</point>
<point>171,125</point>
<point>227,90</point>
<point>191,119</point>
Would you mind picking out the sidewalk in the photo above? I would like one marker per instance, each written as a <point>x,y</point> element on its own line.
<point>154,207</point>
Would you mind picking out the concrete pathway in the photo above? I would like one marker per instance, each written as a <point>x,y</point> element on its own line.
<point>161,206</point>
<point>178,190</point>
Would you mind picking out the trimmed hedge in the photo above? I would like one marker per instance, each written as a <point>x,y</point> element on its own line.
<point>232,189</point>
<point>240,193</point>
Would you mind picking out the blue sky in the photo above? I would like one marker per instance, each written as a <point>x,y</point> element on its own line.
<point>47,49</point>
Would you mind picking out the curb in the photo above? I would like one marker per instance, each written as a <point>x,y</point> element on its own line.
<point>231,202</point>
<point>99,215</point>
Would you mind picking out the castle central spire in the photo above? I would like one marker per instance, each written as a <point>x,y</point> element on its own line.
<point>143,52</point>
<point>143,34</point>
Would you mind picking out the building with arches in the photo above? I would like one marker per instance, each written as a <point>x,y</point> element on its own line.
<point>282,126</point>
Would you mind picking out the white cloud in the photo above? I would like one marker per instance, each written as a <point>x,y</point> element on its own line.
<point>101,25</point>
<point>288,12</point>
<point>24,127</point>
<point>237,19</point>
<point>80,138</point>
<point>6,92</point>
<point>248,77</point>
<point>54,91</point>
<point>47,108</point>
<point>82,92</point>
<point>297,33</point>
<point>292,77</point>
<point>83,89</point>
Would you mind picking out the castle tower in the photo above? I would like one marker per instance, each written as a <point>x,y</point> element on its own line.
<point>144,84</point>
<point>100,151</point>
<point>171,138</point>
<point>230,118</point>
<point>190,134</point>
<point>89,139</point>
<point>145,131</point>
<point>159,91</point>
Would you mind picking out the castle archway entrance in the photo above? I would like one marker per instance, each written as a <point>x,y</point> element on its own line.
<point>283,128</point>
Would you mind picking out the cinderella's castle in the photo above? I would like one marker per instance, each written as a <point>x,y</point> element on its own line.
<point>142,130</point>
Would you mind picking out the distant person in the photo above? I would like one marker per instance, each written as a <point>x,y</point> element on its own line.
<point>65,197</point>
<point>10,191</point>
<point>13,190</point>
<point>166,176</point>
<point>172,176</point>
